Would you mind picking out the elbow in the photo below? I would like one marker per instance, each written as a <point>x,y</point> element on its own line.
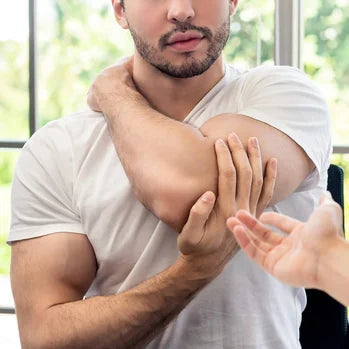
<point>33,341</point>
<point>38,337</point>
<point>174,202</point>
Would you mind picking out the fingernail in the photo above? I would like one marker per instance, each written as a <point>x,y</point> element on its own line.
<point>274,163</point>
<point>254,142</point>
<point>207,197</point>
<point>234,138</point>
<point>220,142</point>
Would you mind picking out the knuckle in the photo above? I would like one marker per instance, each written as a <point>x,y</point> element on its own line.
<point>195,211</point>
<point>186,245</point>
<point>258,181</point>
<point>246,170</point>
<point>337,207</point>
<point>268,197</point>
<point>229,172</point>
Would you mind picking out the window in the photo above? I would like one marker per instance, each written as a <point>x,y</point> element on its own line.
<point>72,40</point>
<point>14,58</point>
<point>326,45</point>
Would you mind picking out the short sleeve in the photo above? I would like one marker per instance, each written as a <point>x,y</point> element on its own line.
<point>285,98</point>
<point>42,189</point>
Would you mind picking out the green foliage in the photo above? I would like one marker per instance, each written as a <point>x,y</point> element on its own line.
<point>14,100</point>
<point>250,25</point>
<point>326,58</point>
<point>7,162</point>
<point>4,223</point>
<point>5,256</point>
<point>327,29</point>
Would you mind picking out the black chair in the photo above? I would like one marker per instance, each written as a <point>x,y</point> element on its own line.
<point>324,321</point>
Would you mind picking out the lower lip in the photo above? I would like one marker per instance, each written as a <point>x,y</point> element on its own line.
<point>185,46</point>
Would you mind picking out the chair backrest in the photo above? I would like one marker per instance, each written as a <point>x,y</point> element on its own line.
<point>324,320</point>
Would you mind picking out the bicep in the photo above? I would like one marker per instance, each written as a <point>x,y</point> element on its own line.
<point>49,270</point>
<point>294,165</point>
<point>180,189</point>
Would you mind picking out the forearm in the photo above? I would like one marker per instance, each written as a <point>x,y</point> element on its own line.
<point>334,271</point>
<point>163,158</point>
<point>127,320</point>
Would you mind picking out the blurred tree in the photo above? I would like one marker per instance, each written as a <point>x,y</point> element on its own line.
<point>327,30</point>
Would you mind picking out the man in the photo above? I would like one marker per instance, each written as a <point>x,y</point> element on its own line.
<point>165,109</point>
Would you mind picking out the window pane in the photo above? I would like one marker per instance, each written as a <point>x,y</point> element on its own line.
<point>14,72</point>
<point>252,34</point>
<point>326,50</point>
<point>7,164</point>
<point>77,39</point>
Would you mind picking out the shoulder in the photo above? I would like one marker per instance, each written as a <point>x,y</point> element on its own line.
<point>59,134</point>
<point>279,87</point>
<point>269,76</point>
<point>281,80</point>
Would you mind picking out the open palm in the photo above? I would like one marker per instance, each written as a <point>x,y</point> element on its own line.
<point>293,258</point>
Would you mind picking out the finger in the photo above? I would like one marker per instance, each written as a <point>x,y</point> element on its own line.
<point>326,198</point>
<point>262,232</point>
<point>284,223</point>
<point>243,172</point>
<point>247,244</point>
<point>193,231</point>
<point>255,158</point>
<point>260,240</point>
<point>226,179</point>
<point>268,186</point>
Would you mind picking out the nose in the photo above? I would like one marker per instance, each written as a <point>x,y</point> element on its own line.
<point>180,11</point>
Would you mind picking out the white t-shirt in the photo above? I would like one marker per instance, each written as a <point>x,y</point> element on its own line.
<point>69,179</point>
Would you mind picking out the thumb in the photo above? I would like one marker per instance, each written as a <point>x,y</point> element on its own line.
<point>193,231</point>
<point>325,198</point>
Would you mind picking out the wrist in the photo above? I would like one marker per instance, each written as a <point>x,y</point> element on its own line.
<point>123,100</point>
<point>329,261</point>
<point>195,270</point>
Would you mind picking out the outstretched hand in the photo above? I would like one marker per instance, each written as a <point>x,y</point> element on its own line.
<point>294,258</point>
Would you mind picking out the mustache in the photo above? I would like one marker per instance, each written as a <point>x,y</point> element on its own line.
<point>182,27</point>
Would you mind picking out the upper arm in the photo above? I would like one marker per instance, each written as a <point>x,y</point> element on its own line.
<point>294,165</point>
<point>46,271</point>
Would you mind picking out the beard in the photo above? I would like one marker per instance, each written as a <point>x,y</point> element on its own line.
<point>192,66</point>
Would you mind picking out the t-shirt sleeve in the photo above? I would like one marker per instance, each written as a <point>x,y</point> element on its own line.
<point>43,187</point>
<point>285,98</point>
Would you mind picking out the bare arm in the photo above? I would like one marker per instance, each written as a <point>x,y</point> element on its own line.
<point>51,274</point>
<point>181,158</point>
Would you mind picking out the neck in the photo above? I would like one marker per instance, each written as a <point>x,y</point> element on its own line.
<point>163,92</point>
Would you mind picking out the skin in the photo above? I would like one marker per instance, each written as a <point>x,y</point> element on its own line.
<point>53,292</point>
<point>136,109</point>
<point>312,254</point>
